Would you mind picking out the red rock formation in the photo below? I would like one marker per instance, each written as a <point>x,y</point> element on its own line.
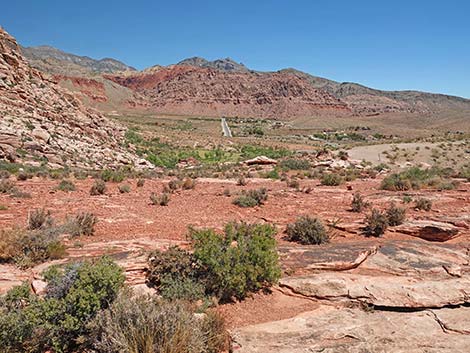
<point>203,91</point>
<point>48,122</point>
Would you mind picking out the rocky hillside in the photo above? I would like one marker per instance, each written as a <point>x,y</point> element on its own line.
<point>51,60</point>
<point>226,65</point>
<point>43,122</point>
<point>197,86</point>
<point>182,89</point>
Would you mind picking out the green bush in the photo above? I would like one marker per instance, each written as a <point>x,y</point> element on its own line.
<point>177,288</point>
<point>308,230</point>
<point>66,185</point>
<point>60,321</point>
<point>241,261</point>
<point>98,188</point>
<point>413,178</point>
<point>331,179</point>
<point>251,198</point>
<point>228,266</point>
<point>295,164</point>
<point>423,204</point>
<point>358,203</point>
<point>115,176</point>
<point>376,223</point>
<point>395,215</point>
<point>146,325</point>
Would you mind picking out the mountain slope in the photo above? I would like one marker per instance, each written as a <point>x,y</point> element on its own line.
<point>190,90</point>
<point>51,60</point>
<point>41,121</point>
<point>226,65</point>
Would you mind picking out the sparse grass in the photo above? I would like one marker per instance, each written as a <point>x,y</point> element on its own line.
<point>308,230</point>
<point>140,183</point>
<point>147,325</point>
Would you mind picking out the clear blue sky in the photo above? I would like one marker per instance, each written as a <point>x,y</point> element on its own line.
<point>392,44</point>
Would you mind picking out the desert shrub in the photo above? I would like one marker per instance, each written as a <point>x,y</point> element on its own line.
<point>174,185</point>
<point>82,224</point>
<point>98,188</point>
<point>447,185</point>
<point>147,325</point>
<point>188,184</point>
<point>115,176</point>
<point>423,204</point>
<point>22,176</point>
<point>293,183</point>
<point>413,178</point>
<point>407,199</point>
<point>241,181</point>
<point>188,289</point>
<point>331,179</point>
<point>251,198</point>
<point>140,183</point>
<point>273,174</point>
<point>395,215</point>
<point>6,186</point>
<point>242,260</point>
<point>295,164</point>
<point>27,248</point>
<point>39,218</point>
<point>124,189</point>
<point>66,185</point>
<point>175,263</point>
<point>4,174</point>
<point>20,194</point>
<point>160,200</point>
<point>376,223</point>
<point>307,230</point>
<point>59,322</point>
<point>358,203</point>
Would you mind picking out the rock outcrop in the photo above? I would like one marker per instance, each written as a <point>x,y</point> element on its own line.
<point>43,122</point>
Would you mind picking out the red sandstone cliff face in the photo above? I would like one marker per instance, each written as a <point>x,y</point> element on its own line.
<point>202,91</point>
<point>47,122</point>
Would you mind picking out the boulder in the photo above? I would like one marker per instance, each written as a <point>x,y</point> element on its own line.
<point>263,160</point>
<point>429,230</point>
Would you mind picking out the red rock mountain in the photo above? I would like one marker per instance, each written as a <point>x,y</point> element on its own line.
<point>43,122</point>
<point>197,86</point>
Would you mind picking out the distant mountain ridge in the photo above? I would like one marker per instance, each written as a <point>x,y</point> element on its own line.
<point>197,86</point>
<point>226,65</point>
<point>47,53</point>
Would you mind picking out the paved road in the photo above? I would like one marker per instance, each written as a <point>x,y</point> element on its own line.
<point>225,128</point>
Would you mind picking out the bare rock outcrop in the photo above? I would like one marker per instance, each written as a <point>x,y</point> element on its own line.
<point>46,122</point>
